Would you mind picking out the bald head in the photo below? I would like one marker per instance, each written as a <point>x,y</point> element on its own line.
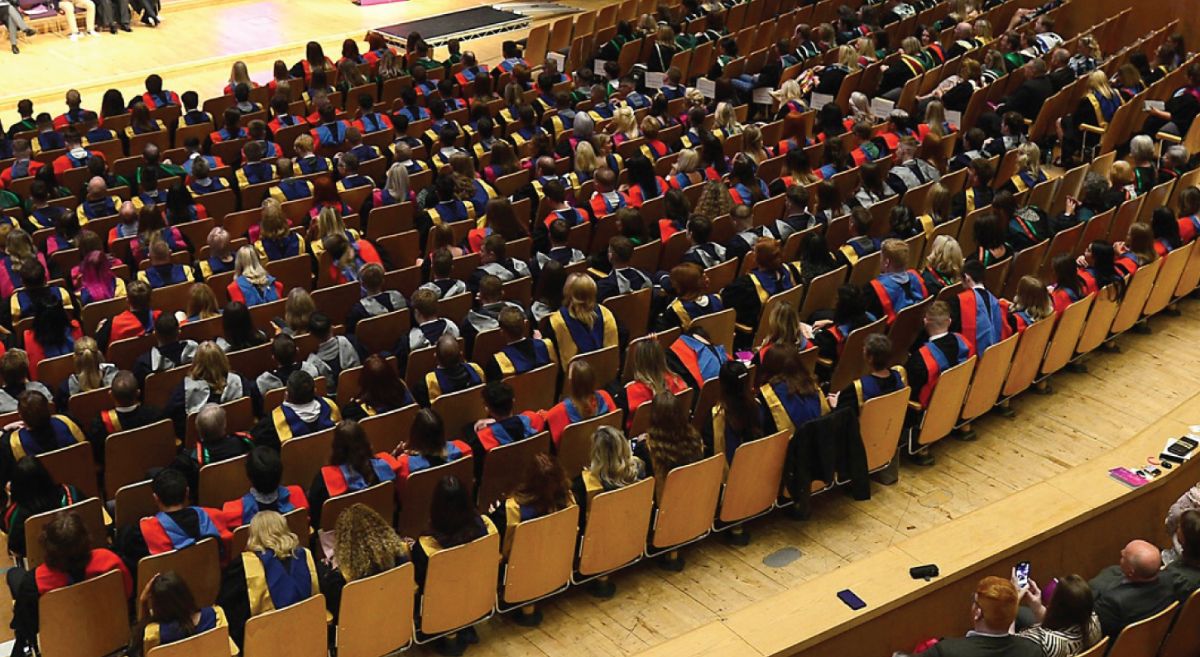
<point>963,31</point>
<point>545,165</point>
<point>97,188</point>
<point>1059,58</point>
<point>126,213</point>
<point>210,423</point>
<point>448,351</point>
<point>1140,561</point>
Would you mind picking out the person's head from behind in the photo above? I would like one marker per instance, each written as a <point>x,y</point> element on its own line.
<point>34,409</point>
<point>264,469</point>
<point>581,385</point>
<point>170,489</point>
<point>66,545</point>
<point>211,423</point>
<point>498,397</point>
<point>878,352</point>
<point>895,255</point>
<point>301,389</point>
<point>169,600</point>
<point>612,459</point>
<point>31,483</point>
<point>366,543</point>
<point>1140,561</point>
<point>14,368</point>
<point>449,352</point>
<point>937,318</point>
<point>974,273</point>
<point>425,305</point>
<point>994,608</point>
<point>166,328</point>
<point>1070,606</point>
<point>269,532</point>
<point>320,326</point>
<point>545,488</point>
<point>453,517</point>
<point>1189,536</point>
<point>428,433</point>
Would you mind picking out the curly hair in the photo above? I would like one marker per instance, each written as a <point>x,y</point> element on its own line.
<point>367,545</point>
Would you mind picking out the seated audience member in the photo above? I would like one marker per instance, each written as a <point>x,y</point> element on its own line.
<point>521,353</point>
<point>69,559</point>
<point>1132,590</point>
<point>274,572</point>
<point>175,526</point>
<point>137,320</point>
<point>215,442</point>
<point>238,330</point>
<point>375,300</point>
<point>364,545</point>
<point>978,192</point>
<point>703,251</point>
<point>1030,304</point>
<point>14,372</point>
<point>649,376</point>
<point>543,490</point>
<point>162,271</point>
<point>352,467</point>
<point>380,390</point>
<point>170,614</point>
<point>622,278</point>
<point>695,358</point>
<point>484,316</point>
<point>91,372</point>
<point>283,348</point>
<point>582,400</point>
<point>897,286</point>
<point>788,391</point>
<point>750,292</point>
<point>737,417</point>
<point>454,521</point>
<point>975,313</point>
<point>32,490</point>
<point>210,381</point>
<point>38,432</point>
<point>251,283</point>
<point>128,414</point>
<point>452,373</point>
<point>881,377</point>
<point>334,353</point>
<point>612,466</point>
<point>691,301</point>
<point>428,325</point>
<point>302,413</point>
<point>1064,625</point>
<point>581,325</point>
<point>501,427</point>
<point>993,612</point>
<point>829,334</point>
<point>671,441</point>
<point>925,366</point>
<point>1186,568</point>
<point>427,446</point>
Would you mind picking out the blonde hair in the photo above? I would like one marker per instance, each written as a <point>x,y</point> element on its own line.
<point>860,108</point>
<point>303,143</point>
<point>87,364</point>
<point>983,30</point>
<point>366,543</point>
<point>239,75</point>
<point>783,326</point>
<point>202,302</point>
<point>329,222</point>
<point>725,118</point>
<point>1033,298</point>
<point>298,308</point>
<point>273,224</point>
<point>1029,157</point>
<point>1098,81</point>
<point>585,158</point>
<point>848,57</point>
<point>19,247</point>
<point>687,162</point>
<point>613,462</point>
<point>752,144</point>
<point>211,365</point>
<point>246,264</point>
<point>269,531</point>
<point>789,91</point>
<point>397,182</point>
<point>648,364</point>
<point>1120,174</point>
<point>580,299</point>
<point>935,118</point>
<point>624,122</point>
<point>946,257</point>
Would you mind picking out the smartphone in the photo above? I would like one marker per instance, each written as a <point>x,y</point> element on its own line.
<point>1189,441</point>
<point>1021,573</point>
<point>852,601</point>
<point>1179,449</point>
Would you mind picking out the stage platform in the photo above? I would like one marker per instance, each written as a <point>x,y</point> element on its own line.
<point>463,25</point>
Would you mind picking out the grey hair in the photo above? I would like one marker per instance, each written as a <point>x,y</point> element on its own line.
<point>583,126</point>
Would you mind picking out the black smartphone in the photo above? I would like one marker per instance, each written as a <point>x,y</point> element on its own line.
<point>852,601</point>
<point>1179,449</point>
<point>1190,442</point>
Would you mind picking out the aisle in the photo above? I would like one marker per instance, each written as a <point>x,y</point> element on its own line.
<point>1087,415</point>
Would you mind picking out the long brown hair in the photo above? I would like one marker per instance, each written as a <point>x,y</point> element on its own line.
<point>352,449</point>
<point>673,441</point>
<point>545,487</point>
<point>782,363</point>
<point>581,387</point>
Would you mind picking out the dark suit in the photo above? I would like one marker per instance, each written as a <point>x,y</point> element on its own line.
<point>1030,96</point>
<point>1187,578</point>
<point>1061,77</point>
<point>985,646</point>
<point>1119,603</point>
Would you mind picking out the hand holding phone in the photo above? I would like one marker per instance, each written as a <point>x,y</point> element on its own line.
<point>1021,575</point>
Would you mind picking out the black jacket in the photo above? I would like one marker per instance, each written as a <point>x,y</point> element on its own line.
<point>821,449</point>
<point>1030,96</point>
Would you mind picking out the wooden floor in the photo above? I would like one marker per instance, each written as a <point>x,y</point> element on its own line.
<point>197,44</point>
<point>1088,413</point>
